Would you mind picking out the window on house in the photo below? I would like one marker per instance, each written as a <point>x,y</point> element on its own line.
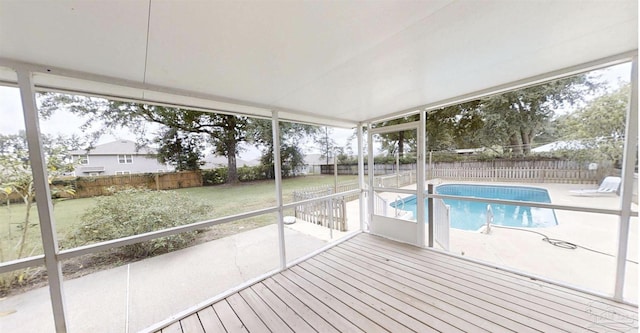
<point>125,159</point>
<point>123,173</point>
<point>83,159</point>
<point>93,174</point>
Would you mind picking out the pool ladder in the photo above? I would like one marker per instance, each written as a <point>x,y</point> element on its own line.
<point>399,199</point>
<point>489,219</point>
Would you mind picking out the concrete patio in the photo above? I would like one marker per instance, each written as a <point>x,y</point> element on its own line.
<point>131,297</point>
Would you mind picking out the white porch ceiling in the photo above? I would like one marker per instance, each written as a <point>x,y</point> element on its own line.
<point>335,62</point>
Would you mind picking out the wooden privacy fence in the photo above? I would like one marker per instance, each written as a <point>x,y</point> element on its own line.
<point>330,213</point>
<point>517,174</point>
<point>105,185</point>
<point>534,171</point>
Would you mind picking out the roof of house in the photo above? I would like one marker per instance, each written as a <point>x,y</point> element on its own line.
<point>559,145</point>
<point>118,147</point>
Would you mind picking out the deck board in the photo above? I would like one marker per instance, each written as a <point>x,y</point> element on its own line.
<point>247,316</point>
<point>262,309</point>
<point>402,296</point>
<point>192,324</point>
<point>295,322</point>
<point>450,301</point>
<point>551,292</point>
<point>228,317</point>
<point>377,300</point>
<point>557,313</point>
<point>341,323</point>
<point>210,321</point>
<point>556,302</point>
<point>371,284</point>
<point>381,314</point>
<point>523,310</point>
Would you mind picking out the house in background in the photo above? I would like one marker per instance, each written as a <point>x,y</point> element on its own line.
<point>120,157</point>
<point>559,145</point>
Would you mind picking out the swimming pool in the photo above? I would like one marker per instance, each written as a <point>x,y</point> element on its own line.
<point>469,215</point>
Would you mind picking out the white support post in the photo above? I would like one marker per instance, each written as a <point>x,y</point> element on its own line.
<point>626,194</point>
<point>420,179</point>
<point>277,168</point>
<point>397,169</point>
<point>363,206</point>
<point>43,199</point>
<point>371,170</point>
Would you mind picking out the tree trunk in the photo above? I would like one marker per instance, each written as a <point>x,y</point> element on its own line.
<point>231,146</point>
<point>232,170</point>
<point>514,142</point>
<point>401,144</point>
<point>25,227</point>
<point>526,141</point>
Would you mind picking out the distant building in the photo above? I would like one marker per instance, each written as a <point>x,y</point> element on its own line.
<point>116,158</point>
<point>469,151</point>
<point>559,145</point>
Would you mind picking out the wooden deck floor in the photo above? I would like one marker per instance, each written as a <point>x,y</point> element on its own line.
<point>370,284</point>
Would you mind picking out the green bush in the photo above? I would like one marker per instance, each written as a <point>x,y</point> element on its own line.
<point>214,176</point>
<point>136,211</point>
<point>251,173</point>
<point>245,174</point>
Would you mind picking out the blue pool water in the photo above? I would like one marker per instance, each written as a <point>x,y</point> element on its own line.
<point>469,215</point>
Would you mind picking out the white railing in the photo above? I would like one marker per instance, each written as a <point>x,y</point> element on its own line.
<point>380,205</point>
<point>395,180</point>
<point>441,223</point>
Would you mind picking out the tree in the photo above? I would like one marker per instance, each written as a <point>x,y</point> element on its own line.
<point>292,136</point>
<point>395,142</point>
<point>447,128</point>
<point>326,144</point>
<point>16,176</point>
<point>224,132</point>
<point>514,119</point>
<point>600,126</point>
<point>180,149</point>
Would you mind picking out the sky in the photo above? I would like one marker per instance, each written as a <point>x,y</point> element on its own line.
<point>12,121</point>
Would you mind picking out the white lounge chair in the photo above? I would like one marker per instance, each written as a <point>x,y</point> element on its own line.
<point>609,185</point>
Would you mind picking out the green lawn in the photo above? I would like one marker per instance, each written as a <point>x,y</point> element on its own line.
<point>225,200</point>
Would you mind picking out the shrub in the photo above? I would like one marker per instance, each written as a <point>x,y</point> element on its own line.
<point>214,176</point>
<point>135,211</point>
<point>251,173</point>
<point>245,174</point>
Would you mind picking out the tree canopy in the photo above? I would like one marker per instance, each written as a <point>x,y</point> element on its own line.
<point>291,137</point>
<point>511,120</point>
<point>179,127</point>
<point>599,127</point>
